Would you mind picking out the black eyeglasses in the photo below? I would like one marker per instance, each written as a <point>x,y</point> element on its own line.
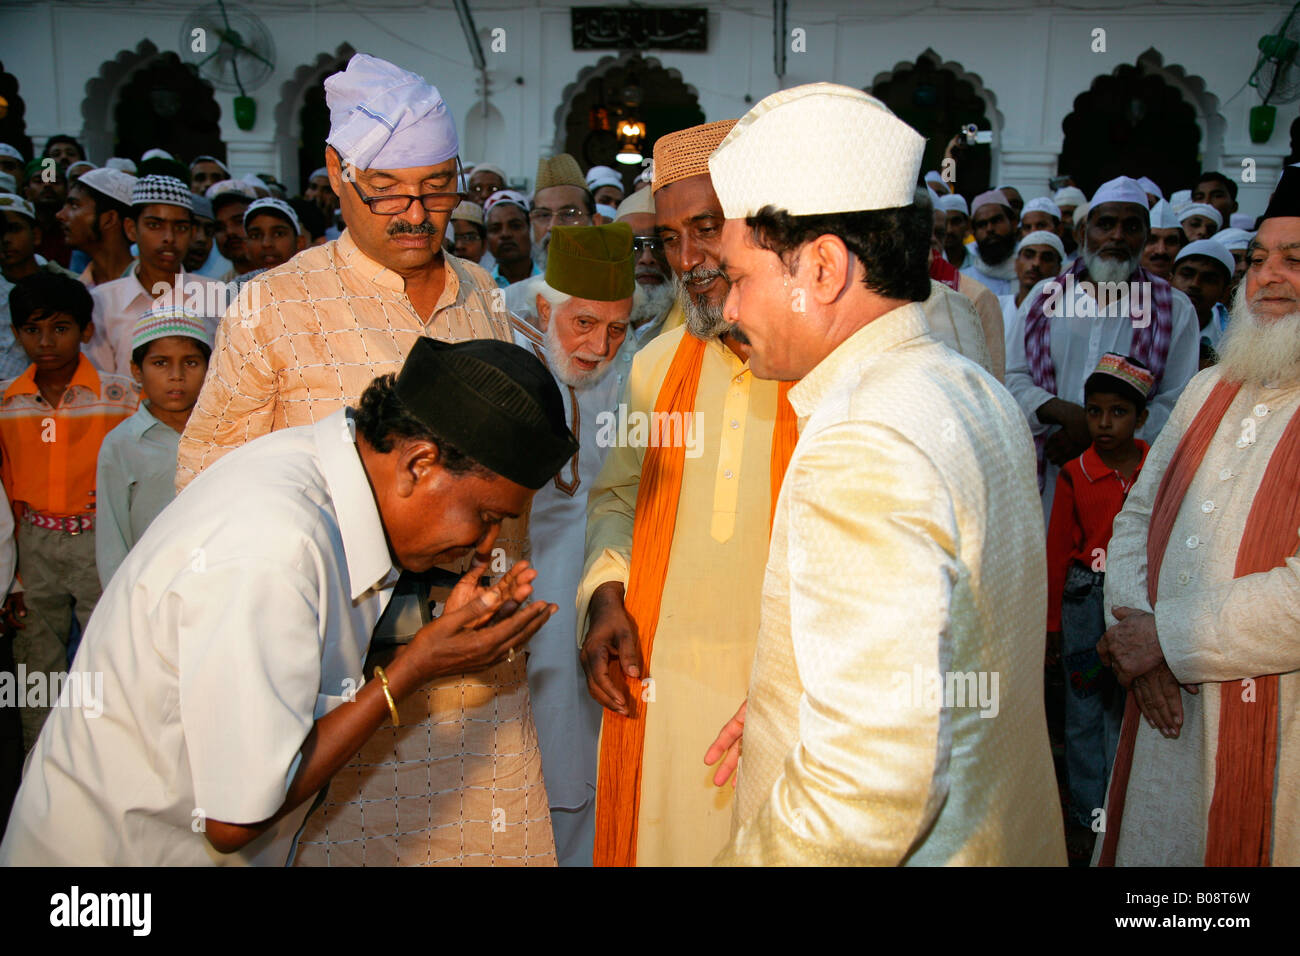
<point>641,243</point>
<point>396,205</point>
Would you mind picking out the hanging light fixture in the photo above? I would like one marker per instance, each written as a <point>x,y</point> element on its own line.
<point>631,136</point>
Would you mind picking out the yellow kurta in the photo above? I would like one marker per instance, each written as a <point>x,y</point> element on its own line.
<point>708,618</point>
<point>1213,627</point>
<point>907,555</point>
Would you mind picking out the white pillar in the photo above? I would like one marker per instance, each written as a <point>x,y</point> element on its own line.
<point>1252,197</point>
<point>1028,169</point>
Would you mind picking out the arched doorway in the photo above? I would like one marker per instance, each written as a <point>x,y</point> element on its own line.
<point>166,105</point>
<point>1135,121</point>
<point>937,99</point>
<point>302,118</point>
<point>13,122</point>
<point>626,83</point>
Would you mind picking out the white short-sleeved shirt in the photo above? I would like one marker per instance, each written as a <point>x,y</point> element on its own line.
<point>242,616</point>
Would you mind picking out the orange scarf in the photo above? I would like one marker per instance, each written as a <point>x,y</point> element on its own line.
<point>1241,809</point>
<point>622,740</point>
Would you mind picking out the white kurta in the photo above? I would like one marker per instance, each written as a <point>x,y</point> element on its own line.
<point>1078,343</point>
<point>567,718</point>
<point>1212,627</point>
<point>242,617</point>
<point>1000,279</point>
<point>907,551</point>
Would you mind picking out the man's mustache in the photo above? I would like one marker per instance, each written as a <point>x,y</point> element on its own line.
<point>401,228</point>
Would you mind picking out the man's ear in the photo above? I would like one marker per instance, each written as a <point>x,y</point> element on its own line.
<point>88,332</point>
<point>830,268</point>
<point>543,312</point>
<point>417,462</point>
<point>334,166</point>
<point>1141,419</point>
<point>129,226</point>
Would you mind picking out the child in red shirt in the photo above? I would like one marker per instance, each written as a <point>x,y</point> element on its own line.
<point>1090,491</point>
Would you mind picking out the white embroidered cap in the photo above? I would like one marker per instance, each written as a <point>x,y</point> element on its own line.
<point>815,149</point>
<point>113,183</point>
<point>1210,248</point>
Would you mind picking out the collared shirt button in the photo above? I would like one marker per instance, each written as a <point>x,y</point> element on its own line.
<point>727,473</point>
<point>1193,541</point>
<point>1225,474</point>
<point>1207,506</point>
<point>1183,577</point>
<point>1261,410</point>
<point>735,423</point>
<point>739,379</point>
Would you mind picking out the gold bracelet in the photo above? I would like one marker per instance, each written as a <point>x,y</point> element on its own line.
<point>392,707</point>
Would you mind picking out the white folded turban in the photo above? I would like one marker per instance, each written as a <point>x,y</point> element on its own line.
<point>382,117</point>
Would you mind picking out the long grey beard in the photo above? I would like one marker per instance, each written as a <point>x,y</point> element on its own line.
<point>1107,270</point>
<point>703,319</point>
<point>563,366</point>
<point>1259,353</point>
<point>650,304</point>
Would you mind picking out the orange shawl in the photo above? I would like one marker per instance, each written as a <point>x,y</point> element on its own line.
<point>622,740</point>
<point>1241,809</point>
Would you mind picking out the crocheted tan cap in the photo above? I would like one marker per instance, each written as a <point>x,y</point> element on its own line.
<point>561,170</point>
<point>686,152</point>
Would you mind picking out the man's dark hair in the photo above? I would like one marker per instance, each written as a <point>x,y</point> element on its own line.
<point>1213,175</point>
<point>141,352</point>
<point>47,293</point>
<point>309,214</point>
<point>893,245</point>
<point>102,203</point>
<point>62,138</point>
<point>221,200</point>
<point>1100,383</point>
<point>381,416</point>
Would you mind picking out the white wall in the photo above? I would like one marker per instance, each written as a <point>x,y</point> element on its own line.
<point>1033,58</point>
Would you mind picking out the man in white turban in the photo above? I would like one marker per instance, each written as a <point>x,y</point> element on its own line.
<point>306,338</point>
<point>906,562</point>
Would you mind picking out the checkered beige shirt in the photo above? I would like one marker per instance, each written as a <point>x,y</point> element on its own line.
<point>460,782</point>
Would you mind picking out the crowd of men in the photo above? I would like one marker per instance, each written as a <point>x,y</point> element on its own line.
<point>428,518</point>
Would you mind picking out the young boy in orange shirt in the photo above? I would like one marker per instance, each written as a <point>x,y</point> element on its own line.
<point>1090,491</point>
<point>53,418</point>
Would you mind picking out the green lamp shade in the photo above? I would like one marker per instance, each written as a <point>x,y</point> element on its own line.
<point>1261,123</point>
<point>245,112</point>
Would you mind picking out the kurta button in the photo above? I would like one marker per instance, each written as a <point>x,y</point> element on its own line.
<point>1207,506</point>
<point>739,379</point>
<point>1225,474</point>
<point>734,423</point>
<point>1261,410</point>
<point>1183,577</point>
<point>1193,541</point>
<point>726,474</point>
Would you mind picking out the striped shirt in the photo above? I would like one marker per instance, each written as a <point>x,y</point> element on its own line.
<point>48,455</point>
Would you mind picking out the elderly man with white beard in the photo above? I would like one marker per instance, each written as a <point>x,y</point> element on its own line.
<point>582,307</point>
<point>1203,584</point>
<point>1105,302</point>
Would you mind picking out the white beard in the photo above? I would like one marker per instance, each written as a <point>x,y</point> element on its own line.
<point>1107,270</point>
<point>539,251</point>
<point>650,303</point>
<point>1260,353</point>
<point>562,363</point>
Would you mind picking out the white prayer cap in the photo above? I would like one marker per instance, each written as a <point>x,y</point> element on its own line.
<point>209,159</point>
<point>123,163</point>
<point>1069,196</point>
<point>72,167</point>
<point>1041,204</point>
<point>953,202</point>
<point>323,171</point>
<point>991,197</point>
<point>1242,220</point>
<point>165,190</point>
<point>864,157</point>
<point>1042,237</point>
<point>277,206</point>
<point>383,117</point>
<point>1201,209</point>
<point>1149,186</point>
<point>1081,213</point>
<point>156,154</point>
<point>237,186</point>
<point>113,183</point>
<point>639,201</point>
<point>935,179</point>
<point>11,152</point>
<point>1120,189</point>
<point>509,196</point>
<point>933,196</point>
<point>1180,197</point>
<point>1210,248</point>
<point>1162,215</point>
<point>9,202</point>
<point>599,176</point>
<point>606,210</point>
<point>1234,238</point>
<point>493,168</point>
<point>7,183</point>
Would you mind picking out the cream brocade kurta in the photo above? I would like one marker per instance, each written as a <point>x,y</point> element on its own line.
<point>460,782</point>
<point>908,542</point>
<point>1211,626</point>
<point>708,618</point>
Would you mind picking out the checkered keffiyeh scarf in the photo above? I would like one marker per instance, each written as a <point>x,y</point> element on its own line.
<point>1150,342</point>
